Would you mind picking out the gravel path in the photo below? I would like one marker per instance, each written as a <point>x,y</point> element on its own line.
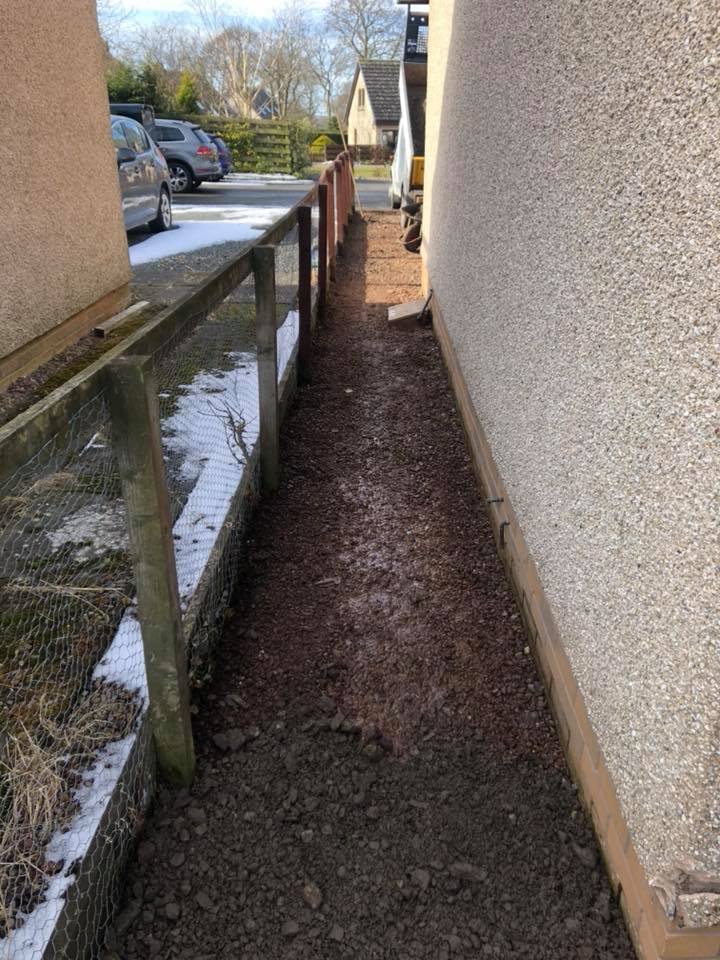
<point>378,772</point>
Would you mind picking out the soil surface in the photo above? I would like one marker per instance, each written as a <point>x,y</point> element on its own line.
<point>378,772</point>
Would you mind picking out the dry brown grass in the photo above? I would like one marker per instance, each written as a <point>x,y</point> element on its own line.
<point>39,768</point>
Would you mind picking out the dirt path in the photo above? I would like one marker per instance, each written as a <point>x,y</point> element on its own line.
<point>378,772</point>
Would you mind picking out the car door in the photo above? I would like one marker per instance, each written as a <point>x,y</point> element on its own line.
<point>126,176</point>
<point>146,187</point>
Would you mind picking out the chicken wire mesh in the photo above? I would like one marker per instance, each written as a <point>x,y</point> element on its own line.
<point>71,680</point>
<point>209,421</point>
<point>76,766</point>
<point>208,399</point>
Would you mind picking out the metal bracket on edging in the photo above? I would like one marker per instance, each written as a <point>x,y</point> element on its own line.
<point>505,523</point>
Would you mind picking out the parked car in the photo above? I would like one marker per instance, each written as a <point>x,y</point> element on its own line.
<point>142,112</point>
<point>190,153</point>
<point>224,155</point>
<point>144,176</point>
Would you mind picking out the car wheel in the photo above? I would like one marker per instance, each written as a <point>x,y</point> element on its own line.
<point>163,220</point>
<point>181,178</point>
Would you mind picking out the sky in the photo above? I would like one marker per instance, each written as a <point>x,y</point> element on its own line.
<point>145,10</point>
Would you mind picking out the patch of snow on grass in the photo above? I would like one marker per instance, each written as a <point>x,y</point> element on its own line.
<point>201,432</point>
<point>124,660</point>
<point>96,529</point>
<point>190,235</point>
<point>262,176</point>
<point>237,213</point>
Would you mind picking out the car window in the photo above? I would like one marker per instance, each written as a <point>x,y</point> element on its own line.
<point>201,135</point>
<point>172,133</point>
<point>118,135</point>
<point>136,138</point>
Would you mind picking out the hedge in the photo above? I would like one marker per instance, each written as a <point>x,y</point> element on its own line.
<point>260,146</point>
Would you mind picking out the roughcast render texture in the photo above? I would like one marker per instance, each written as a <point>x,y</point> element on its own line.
<point>572,242</point>
<point>62,242</point>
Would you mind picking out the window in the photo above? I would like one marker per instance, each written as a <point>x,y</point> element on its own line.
<point>118,135</point>
<point>361,98</point>
<point>389,138</point>
<point>422,39</point>
<point>201,135</point>
<point>136,138</point>
<point>163,134</point>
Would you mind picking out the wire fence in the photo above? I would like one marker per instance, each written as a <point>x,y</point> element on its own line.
<point>71,695</point>
<point>76,762</point>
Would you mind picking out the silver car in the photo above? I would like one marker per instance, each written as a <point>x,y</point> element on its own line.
<point>144,176</point>
<point>190,153</point>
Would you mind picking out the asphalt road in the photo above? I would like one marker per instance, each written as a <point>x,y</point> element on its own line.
<point>273,193</point>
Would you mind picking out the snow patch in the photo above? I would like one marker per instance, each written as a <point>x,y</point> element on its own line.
<point>191,235</point>
<point>238,213</point>
<point>264,176</point>
<point>95,529</point>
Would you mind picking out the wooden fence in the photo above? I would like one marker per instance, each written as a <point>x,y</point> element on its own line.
<point>125,383</point>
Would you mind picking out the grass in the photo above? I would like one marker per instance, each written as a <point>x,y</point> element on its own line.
<point>362,171</point>
<point>54,625</point>
<point>39,769</point>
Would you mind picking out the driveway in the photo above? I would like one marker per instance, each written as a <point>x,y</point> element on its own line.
<point>215,223</point>
<point>274,193</point>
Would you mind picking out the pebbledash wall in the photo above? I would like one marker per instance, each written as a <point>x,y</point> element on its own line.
<point>63,253</point>
<point>572,241</point>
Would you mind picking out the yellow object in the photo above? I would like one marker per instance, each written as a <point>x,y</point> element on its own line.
<point>418,173</point>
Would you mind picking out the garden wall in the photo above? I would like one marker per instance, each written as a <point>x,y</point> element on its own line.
<point>64,261</point>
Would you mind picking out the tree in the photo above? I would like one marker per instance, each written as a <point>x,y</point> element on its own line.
<point>186,96</point>
<point>122,83</point>
<point>373,29</point>
<point>285,69</point>
<point>331,61</point>
<point>151,86</point>
<point>112,17</point>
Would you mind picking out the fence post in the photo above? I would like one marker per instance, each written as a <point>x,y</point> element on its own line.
<point>265,318</point>
<point>339,223</point>
<point>138,446</point>
<point>346,190</point>
<point>305,288</point>
<point>322,246</point>
<point>351,189</point>
<point>332,247</point>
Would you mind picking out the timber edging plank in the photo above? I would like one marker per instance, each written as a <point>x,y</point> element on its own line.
<point>654,936</point>
<point>28,357</point>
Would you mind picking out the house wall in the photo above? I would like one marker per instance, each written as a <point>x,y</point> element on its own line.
<point>62,243</point>
<point>361,120</point>
<point>571,238</point>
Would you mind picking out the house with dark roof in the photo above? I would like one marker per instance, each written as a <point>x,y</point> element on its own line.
<point>372,115</point>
